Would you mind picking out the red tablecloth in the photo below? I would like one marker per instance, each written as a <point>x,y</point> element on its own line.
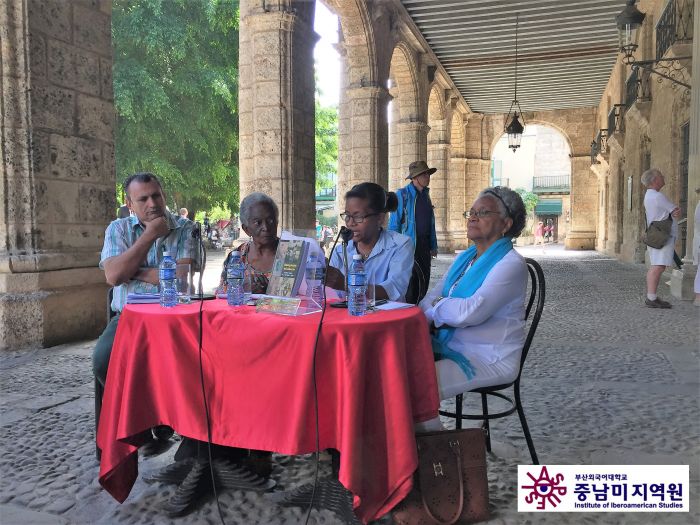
<point>375,377</point>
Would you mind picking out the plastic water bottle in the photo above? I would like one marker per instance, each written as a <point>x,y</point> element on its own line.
<point>235,272</point>
<point>357,286</point>
<point>315,272</point>
<point>168,281</point>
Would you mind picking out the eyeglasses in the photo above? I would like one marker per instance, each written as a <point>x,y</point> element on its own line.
<point>357,219</point>
<point>479,214</point>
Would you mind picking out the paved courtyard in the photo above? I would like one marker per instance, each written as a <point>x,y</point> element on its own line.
<point>607,381</point>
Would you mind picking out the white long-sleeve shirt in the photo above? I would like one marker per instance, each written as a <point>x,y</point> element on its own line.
<point>490,323</point>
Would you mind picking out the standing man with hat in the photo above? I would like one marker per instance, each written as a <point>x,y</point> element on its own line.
<point>415,217</point>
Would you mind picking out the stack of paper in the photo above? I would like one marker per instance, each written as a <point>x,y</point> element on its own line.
<point>142,298</point>
<point>393,305</point>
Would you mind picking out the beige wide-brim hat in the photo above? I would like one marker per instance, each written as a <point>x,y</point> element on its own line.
<point>419,167</point>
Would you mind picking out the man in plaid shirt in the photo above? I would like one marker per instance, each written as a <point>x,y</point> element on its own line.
<point>133,249</point>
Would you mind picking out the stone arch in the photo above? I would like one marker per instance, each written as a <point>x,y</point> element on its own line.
<point>358,41</point>
<point>407,131</point>
<point>550,157</point>
<point>539,122</point>
<point>403,73</point>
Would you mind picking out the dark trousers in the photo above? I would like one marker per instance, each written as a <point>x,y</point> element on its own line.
<point>103,349</point>
<point>420,278</point>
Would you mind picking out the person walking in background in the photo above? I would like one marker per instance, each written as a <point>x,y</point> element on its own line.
<point>658,207</point>
<point>549,231</point>
<point>539,233</point>
<point>207,226</point>
<point>415,217</point>
<point>183,213</point>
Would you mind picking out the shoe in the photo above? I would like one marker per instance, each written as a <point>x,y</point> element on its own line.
<point>656,303</point>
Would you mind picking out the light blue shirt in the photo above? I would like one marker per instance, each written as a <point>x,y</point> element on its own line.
<point>389,265</point>
<point>122,234</point>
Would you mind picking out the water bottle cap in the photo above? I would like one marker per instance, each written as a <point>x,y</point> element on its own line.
<point>357,257</point>
<point>166,254</point>
<point>235,253</point>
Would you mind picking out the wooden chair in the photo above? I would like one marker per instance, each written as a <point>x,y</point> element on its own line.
<point>537,296</point>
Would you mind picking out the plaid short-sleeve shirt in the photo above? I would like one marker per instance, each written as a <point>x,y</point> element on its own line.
<point>122,234</point>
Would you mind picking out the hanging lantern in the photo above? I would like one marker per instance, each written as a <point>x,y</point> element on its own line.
<point>515,128</point>
<point>629,23</point>
<point>515,132</point>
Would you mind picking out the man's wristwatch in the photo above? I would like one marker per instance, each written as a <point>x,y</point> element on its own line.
<point>437,300</point>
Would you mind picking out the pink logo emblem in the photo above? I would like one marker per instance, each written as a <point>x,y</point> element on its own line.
<point>544,489</point>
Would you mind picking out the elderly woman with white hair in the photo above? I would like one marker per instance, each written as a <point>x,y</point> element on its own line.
<point>658,207</point>
<point>477,311</point>
<point>259,219</point>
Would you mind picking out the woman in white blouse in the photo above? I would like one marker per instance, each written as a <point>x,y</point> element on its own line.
<point>477,311</point>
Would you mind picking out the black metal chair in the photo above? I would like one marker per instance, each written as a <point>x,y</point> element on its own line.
<point>417,287</point>
<point>537,295</point>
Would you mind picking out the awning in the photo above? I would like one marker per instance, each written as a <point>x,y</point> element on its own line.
<point>548,207</point>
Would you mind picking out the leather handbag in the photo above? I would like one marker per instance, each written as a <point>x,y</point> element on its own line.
<point>658,233</point>
<point>450,485</point>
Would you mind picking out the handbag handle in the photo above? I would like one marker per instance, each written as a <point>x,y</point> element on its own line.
<point>454,446</point>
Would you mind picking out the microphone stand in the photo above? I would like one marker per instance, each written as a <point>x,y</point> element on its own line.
<point>197,234</point>
<point>346,235</point>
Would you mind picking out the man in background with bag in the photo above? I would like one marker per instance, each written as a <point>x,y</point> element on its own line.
<point>658,208</point>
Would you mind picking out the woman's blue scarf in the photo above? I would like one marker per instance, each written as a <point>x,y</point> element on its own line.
<point>466,288</point>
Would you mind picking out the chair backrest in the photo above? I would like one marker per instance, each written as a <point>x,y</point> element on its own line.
<point>537,296</point>
<point>419,276</point>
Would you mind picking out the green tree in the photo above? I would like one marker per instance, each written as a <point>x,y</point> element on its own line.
<point>326,145</point>
<point>176,97</point>
<point>529,199</point>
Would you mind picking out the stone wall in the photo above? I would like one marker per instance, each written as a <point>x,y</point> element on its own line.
<point>58,169</point>
<point>651,137</point>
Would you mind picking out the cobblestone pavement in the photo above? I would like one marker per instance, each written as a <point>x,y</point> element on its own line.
<point>607,381</point>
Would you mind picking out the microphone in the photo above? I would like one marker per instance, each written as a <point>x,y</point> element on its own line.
<point>345,234</point>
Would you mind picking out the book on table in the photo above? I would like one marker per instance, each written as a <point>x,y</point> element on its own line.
<point>288,268</point>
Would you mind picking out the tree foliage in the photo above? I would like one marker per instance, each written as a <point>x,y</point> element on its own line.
<point>326,145</point>
<point>176,97</point>
<point>529,199</point>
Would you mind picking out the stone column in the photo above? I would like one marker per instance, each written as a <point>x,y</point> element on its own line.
<point>363,138</point>
<point>439,157</point>
<point>682,281</point>
<point>584,205</point>
<point>276,108</point>
<point>395,168</point>
<point>57,193</point>
<point>456,203</point>
<point>478,168</point>
<point>414,144</point>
